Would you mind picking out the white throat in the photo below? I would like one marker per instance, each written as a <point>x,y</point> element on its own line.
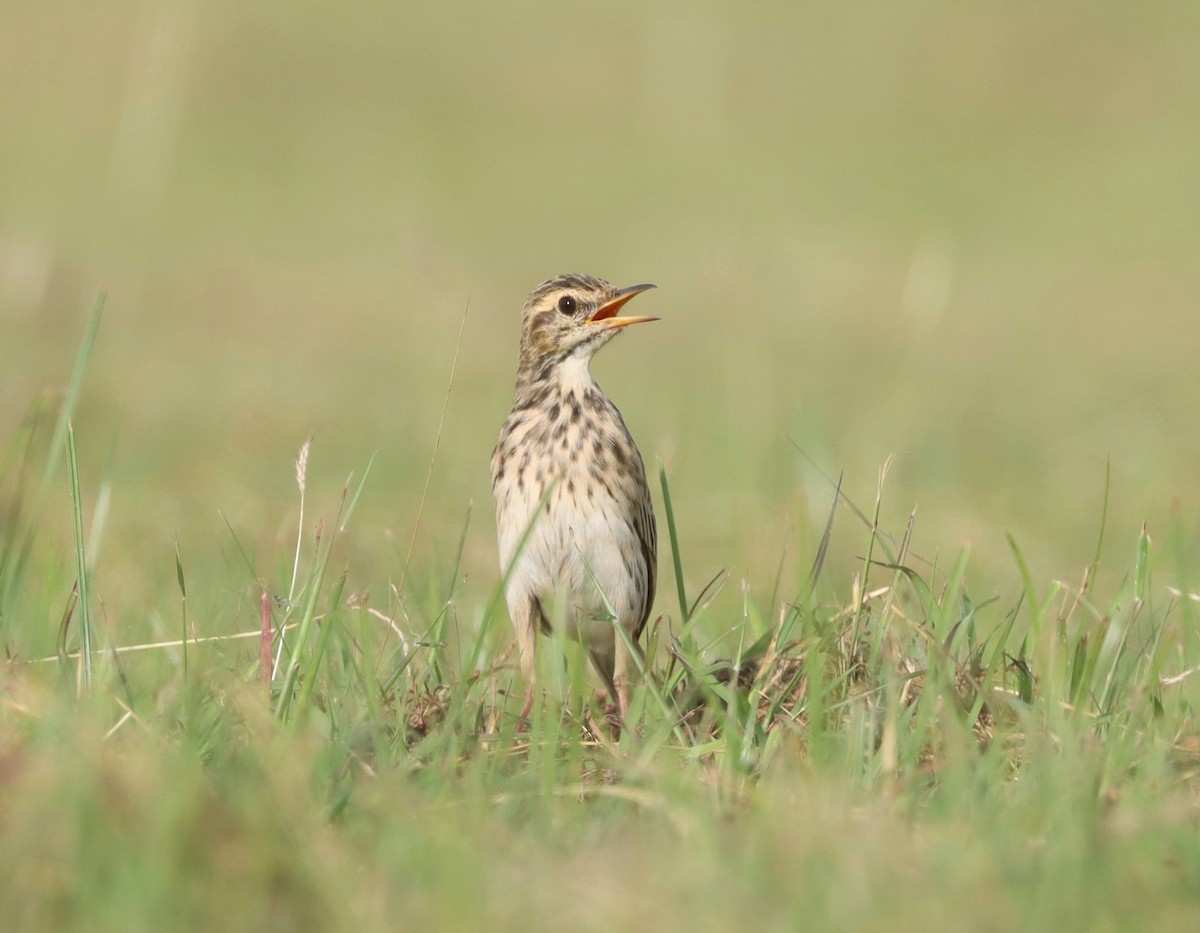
<point>574,373</point>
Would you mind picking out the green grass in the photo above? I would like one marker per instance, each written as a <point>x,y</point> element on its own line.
<point>883,748</point>
<point>932,263</point>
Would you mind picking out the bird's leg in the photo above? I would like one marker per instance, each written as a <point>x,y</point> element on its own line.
<point>614,708</point>
<point>525,625</point>
<point>623,672</point>
<point>526,708</point>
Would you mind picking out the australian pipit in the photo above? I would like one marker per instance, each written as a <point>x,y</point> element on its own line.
<point>573,510</point>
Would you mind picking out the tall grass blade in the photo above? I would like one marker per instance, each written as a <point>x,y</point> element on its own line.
<point>312,595</point>
<point>81,567</point>
<point>266,670</point>
<point>182,607</point>
<point>814,573</point>
<point>311,592</point>
<point>66,412</point>
<point>673,536</point>
<point>1141,566</point>
<point>1027,585</point>
<point>868,558</point>
<point>1090,577</point>
<point>331,619</point>
<point>74,389</point>
<point>301,485</point>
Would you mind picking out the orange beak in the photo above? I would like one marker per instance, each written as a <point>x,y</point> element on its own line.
<point>606,313</point>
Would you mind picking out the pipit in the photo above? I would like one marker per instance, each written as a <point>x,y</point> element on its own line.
<point>573,510</point>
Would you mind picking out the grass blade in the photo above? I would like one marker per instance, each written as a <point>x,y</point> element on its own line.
<point>673,536</point>
<point>1090,576</point>
<point>1141,567</point>
<point>74,388</point>
<point>182,606</point>
<point>58,443</point>
<point>81,570</point>
<point>814,573</point>
<point>1027,586</point>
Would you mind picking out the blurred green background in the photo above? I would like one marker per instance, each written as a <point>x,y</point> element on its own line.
<point>965,234</point>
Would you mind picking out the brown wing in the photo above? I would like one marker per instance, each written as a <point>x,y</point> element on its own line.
<point>647,533</point>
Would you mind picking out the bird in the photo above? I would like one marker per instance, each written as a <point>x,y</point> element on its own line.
<point>574,518</point>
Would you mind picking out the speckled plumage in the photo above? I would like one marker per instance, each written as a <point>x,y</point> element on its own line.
<point>573,510</point>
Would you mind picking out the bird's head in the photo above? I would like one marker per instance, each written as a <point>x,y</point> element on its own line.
<point>572,316</point>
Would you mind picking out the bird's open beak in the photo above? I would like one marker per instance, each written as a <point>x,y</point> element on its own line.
<point>606,313</point>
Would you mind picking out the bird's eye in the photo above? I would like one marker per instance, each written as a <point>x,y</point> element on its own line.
<point>566,305</point>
